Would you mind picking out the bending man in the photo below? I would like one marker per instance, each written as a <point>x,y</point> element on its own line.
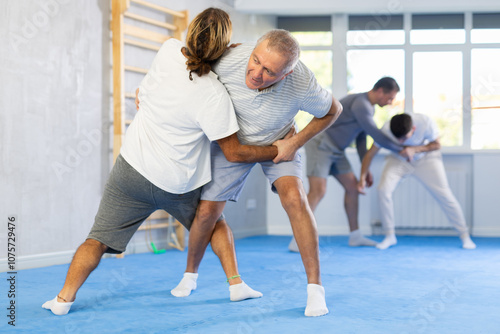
<point>422,159</point>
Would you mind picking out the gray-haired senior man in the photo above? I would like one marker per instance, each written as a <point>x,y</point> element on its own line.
<point>268,86</point>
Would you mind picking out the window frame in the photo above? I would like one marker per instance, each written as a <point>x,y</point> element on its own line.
<point>339,50</point>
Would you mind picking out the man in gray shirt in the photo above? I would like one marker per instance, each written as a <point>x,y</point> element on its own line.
<point>326,152</point>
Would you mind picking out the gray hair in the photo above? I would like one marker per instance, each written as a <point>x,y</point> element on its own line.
<point>283,42</point>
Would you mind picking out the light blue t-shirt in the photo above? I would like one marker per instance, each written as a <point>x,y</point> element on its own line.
<point>266,116</point>
<point>426,131</point>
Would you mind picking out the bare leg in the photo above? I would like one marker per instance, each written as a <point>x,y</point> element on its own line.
<point>317,190</point>
<point>201,232</point>
<point>294,201</point>
<point>205,230</point>
<point>351,205</point>
<point>86,259</point>
<point>223,246</point>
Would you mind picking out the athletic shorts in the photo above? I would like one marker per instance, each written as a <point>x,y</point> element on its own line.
<point>228,178</point>
<point>128,199</point>
<point>324,158</point>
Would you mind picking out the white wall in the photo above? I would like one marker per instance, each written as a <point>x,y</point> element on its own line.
<point>55,106</point>
<point>486,202</point>
<point>54,109</point>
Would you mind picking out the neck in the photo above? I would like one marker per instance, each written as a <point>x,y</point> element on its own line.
<point>371,97</point>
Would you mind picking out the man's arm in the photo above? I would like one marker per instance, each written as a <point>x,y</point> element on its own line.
<point>288,147</point>
<point>234,151</point>
<point>365,168</point>
<point>409,151</point>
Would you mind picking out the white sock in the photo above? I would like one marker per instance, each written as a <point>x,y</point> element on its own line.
<point>56,307</point>
<point>316,304</point>
<point>185,286</point>
<point>242,291</point>
<point>467,243</point>
<point>389,240</point>
<point>293,246</point>
<point>357,239</point>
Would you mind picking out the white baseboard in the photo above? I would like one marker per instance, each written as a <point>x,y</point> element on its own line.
<point>239,234</point>
<point>40,260</point>
<point>322,230</point>
<point>486,232</point>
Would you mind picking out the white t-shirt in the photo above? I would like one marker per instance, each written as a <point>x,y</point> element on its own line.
<point>169,140</point>
<point>426,131</point>
<point>266,116</point>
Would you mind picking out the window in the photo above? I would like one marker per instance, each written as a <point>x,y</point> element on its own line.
<point>366,67</point>
<point>367,61</point>
<point>437,92</point>
<point>449,61</point>
<point>375,30</point>
<point>485,99</point>
<point>314,34</point>
<point>485,28</point>
<point>437,29</point>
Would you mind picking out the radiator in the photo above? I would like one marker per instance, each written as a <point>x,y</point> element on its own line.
<point>415,208</point>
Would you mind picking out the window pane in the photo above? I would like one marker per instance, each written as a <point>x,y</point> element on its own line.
<point>320,62</point>
<point>485,35</point>
<point>485,95</point>
<point>314,38</point>
<point>437,92</point>
<point>376,37</point>
<point>437,36</point>
<point>366,67</point>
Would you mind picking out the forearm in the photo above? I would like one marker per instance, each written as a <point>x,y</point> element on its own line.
<point>234,151</point>
<point>250,153</point>
<point>367,160</point>
<point>432,146</point>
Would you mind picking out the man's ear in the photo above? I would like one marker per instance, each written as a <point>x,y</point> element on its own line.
<point>287,74</point>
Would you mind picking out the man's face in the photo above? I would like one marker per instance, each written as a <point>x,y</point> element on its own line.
<point>407,136</point>
<point>384,99</point>
<point>264,68</point>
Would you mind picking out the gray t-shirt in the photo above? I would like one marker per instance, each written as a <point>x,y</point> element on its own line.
<point>355,122</point>
<point>266,116</point>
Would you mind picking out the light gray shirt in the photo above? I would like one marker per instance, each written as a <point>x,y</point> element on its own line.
<point>266,116</point>
<point>355,122</point>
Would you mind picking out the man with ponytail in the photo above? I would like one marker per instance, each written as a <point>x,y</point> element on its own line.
<point>165,157</point>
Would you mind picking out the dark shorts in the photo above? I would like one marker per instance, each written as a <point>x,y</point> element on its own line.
<point>325,158</point>
<point>128,199</point>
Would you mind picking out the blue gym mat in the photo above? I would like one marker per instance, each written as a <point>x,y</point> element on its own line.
<point>423,285</point>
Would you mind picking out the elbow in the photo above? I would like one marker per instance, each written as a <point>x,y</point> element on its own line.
<point>339,108</point>
<point>234,157</point>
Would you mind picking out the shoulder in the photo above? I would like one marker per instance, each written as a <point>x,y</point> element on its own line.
<point>301,71</point>
<point>171,44</point>
<point>237,52</point>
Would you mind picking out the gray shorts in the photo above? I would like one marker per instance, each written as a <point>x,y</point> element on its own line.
<point>128,199</point>
<point>325,158</point>
<point>228,178</point>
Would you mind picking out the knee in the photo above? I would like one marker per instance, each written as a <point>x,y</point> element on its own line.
<point>317,192</point>
<point>351,188</point>
<point>383,192</point>
<point>294,200</point>
<point>95,244</point>
<point>207,214</point>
